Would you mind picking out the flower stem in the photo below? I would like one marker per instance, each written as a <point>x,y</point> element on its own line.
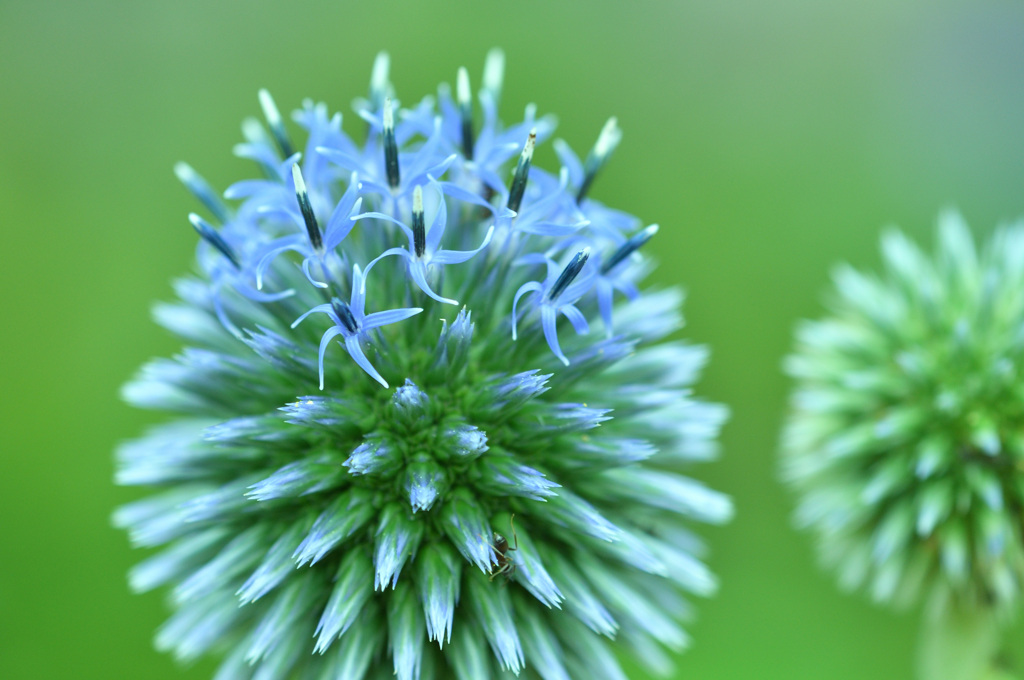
<point>961,643</point>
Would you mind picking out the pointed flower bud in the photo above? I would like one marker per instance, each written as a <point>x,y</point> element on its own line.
<point>410,399</point>
<point>424,482</point>
<point>467,441</point>
<point>379,79</point>
<point>370,458</point>
<point>312,228</point>
<point>515,193</point>
<point>629,247</point>
<point>494,73</point>
<point>202,191</point>
<point>210,235</point>
<point>569,274</point>
<point>390,147</point>
<point>606,143</point>
<point>275,123</point>
<point>465,101</point>
<point>419,227</point>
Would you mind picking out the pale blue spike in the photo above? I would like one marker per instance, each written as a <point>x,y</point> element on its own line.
<point>493,609</point>
<point>352,588</point>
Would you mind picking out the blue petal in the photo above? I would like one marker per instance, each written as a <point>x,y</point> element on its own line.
<point>547,322</point>
<point>529,287</point>
<point>355,350</point>
<point>378,319</point>
<point>402,252</point>
<point>569,161</point>
<point>576,318</point>
<point>460,256</point>
<point>418,273</point>
<point>437,226</point>
<point>329,335</point>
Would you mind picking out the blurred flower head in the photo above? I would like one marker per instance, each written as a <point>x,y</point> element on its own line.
<point>401,448</point>
<point>904,442</point>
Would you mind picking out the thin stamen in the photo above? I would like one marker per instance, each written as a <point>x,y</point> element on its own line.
<point>569,274</point>
<point>210,235</point>
<point>494,73</point>
<point>275,123</point>
<point>518,188</point>
<point>629,247</point>
<point>390,147</point>
<point>465,100</point>
<point>379,79</point>
<point>419,229</point>
<point>345,316</point>
<point>199,188</point>
<point>312,228</point>
<point>603,148</point>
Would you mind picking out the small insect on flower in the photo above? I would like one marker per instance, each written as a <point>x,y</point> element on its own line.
<point>503,564</point>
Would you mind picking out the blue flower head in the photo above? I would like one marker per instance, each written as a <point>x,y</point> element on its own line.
<point>389,436</point>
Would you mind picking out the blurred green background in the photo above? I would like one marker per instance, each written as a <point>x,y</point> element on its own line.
<point>770,140</point>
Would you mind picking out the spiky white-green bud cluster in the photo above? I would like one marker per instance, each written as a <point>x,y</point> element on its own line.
<point>905,443</point>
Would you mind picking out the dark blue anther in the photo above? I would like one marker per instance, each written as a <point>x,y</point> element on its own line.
<point>348,321</point>
<point>419,227</point>
<point>515,192</point>
<point>275,124</point>
<point>629,247</point>
<point>202,191</point>
<point>210,235</point>
<point>390,147</point>
<point>312,228</point>
<point>606,143</point>
<point>569,274</point>
<point>465,112</point>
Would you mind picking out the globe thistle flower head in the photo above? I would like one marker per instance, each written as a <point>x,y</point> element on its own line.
<point>375,384</point>
<point>904,442</point>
